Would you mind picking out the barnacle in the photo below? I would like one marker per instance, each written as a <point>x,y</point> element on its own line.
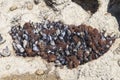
<point>60,43</point>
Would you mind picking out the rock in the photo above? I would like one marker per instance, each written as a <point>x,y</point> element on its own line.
<point>39,72</point>
<point>29,6</point>
<point>74,14</point>
<point>13,7</point>
<point>52,77</point>
<point>15,79</point>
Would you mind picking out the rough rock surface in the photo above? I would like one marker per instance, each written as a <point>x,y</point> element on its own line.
<point>105,68</point>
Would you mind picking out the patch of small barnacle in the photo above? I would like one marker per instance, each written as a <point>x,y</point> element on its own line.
<point>63,44</point>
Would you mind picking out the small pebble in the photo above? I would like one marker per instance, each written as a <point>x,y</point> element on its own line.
<point>13,7</point>
<point>29,6</point>
<point>39,72</point>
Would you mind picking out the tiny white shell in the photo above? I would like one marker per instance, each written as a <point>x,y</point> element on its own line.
<point>67,52</point>
<point>52,42</point>
<point>24,43</point>
<point>57,32</point>
<point>78,44</point>
<point>35,48</point>
<point>20,48</point>
<point>5,52</point>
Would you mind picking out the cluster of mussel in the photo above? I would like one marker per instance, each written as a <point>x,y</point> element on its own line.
<point>59,43</point>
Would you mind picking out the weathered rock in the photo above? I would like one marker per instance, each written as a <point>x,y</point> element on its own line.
<point>71,45</point>
<point>101,19</point>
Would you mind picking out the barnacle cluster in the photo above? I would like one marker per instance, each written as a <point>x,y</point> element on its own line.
<point>59,43</point>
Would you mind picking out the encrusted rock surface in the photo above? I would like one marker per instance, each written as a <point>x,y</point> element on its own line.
<point>105,68</point>
<point>57,42</point>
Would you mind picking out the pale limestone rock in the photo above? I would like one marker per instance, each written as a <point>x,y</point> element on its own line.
<point>104,68</point>
<point>74,14</point>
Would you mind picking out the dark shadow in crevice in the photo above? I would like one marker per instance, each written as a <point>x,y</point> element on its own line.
<point>51,4</point>
<point>114,9</point>
<point>88,5</point>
